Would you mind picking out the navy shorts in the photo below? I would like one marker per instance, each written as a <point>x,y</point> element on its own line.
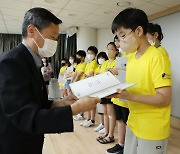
<point>106,101</point>
<point>121,113</point>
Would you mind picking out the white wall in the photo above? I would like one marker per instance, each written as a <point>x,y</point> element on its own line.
<point>104,36</point>
<point>90,36</point>
<point>86,37</point>
<point>171,30</point>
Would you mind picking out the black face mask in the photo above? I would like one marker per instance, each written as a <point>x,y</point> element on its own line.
<point>78,60</point>
<point>63,64</point>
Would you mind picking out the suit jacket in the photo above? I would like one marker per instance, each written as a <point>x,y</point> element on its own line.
<point>25,113</point>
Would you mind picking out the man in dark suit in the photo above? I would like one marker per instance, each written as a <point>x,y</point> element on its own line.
<point>25,111</point>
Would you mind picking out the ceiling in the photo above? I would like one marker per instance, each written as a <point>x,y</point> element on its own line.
<point>86,13</point>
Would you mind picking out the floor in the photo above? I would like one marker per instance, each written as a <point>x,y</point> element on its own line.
<point>83,141</point>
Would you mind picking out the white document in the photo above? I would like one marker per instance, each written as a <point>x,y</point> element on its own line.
<point>69,70</point>
<point>101,85</point>
<point>121,62</point>
<point>121,76</point>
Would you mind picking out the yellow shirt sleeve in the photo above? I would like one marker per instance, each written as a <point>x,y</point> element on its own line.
<point>161,73</point>
<point>164,52</point>
<point>97,70</point>
<point>103,67</point>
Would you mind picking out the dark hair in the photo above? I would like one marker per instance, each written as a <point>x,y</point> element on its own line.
<point>112,43</point>
<point>152,28</point>
<point>48,60</point>
<point>39,17</point>
<point>76,61</point>
<point>115,38</point>
<point>130,18</point>
<point>66,61</point>
<point>94,49</point>
<point>81,53</point>
<point>73,56</point>
<point>103,55</point>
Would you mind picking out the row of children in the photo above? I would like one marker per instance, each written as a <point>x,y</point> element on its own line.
<point>147,109</point>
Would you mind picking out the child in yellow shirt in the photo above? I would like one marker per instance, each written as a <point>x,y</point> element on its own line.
<point>120,107</point>
<point>102,61</point>
<point>80,69</point>
<point>61,79</point>
<point>108,109</point>
<point>149,100</point>
<point>78,74</point>
<point>155,36</point>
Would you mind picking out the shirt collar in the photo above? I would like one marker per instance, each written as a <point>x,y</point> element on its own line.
<point>37,60</point>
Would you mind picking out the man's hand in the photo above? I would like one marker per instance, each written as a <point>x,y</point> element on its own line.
<point>70,99</point>
<point>84,104</point>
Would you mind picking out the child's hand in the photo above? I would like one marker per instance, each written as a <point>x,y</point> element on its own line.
<point>120,94</point>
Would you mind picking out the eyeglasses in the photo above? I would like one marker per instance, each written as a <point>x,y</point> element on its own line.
<point>122,38</point>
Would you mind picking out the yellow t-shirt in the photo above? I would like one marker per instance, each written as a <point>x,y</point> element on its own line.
<point>62,71</point>
<point>97,70</point>
<point>101,68</point>
<point>149,72</point>
<point>81,68</point>
<point>119,102</point>
<point>110,64</point>
<point>165,53</point>
<point>127,54</point>
<point>91,67</point>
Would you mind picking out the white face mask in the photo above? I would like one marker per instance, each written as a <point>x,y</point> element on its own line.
<point>101,61</point>
<point>49,47</point>
<point>129,44</point>
<point>71,61</point>
<point>90,57</point>
<point>151,42</point>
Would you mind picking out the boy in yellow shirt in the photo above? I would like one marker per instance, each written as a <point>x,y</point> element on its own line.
<point>78,74</point>
<point>102,61</point>
<point>80,69</point>
<point>89,72</point>
<point>149,100</point>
